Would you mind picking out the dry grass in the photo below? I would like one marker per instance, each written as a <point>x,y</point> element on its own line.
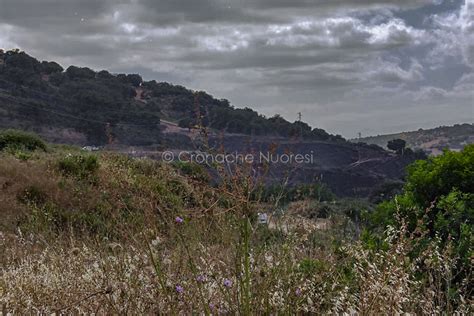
<point>131,256</point>
<point>114,278</point>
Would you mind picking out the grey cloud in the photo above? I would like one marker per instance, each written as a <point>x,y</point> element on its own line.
<point>36,14</point>
<point>466,20</point>
<point>171,12</point>
<point>464,87</point>
<point>392,72</point>
<point>454,34</point>
<point>430,94</point>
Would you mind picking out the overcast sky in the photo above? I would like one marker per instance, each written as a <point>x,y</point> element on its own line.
<point>349,66</point>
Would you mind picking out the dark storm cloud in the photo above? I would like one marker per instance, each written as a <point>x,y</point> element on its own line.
<point>348,65</point>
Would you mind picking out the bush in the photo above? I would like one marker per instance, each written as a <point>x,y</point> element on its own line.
<point>310,267</point>
<point>79,166</point>
<point>80,73</point>
<point>268,236</point>
<point>32,194</point>
<point>284,194</point>
<point>51,67</point>
<point>19,140</point>
<point>197,172</point>
<point>437,204</point>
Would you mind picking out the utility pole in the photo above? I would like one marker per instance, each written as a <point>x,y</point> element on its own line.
<point>301,128</point>
<point>360,135</point>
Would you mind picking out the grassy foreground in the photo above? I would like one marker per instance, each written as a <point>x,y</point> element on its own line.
<point>106,234</point>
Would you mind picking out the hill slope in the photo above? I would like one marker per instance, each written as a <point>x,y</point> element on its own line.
<point>432,141</point>
<point>83,107</point>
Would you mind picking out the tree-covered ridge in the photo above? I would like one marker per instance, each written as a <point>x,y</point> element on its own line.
<point>431,141</point>
<point>121,108</point>
<point>98,105</point>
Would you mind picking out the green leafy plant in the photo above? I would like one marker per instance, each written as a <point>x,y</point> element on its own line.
<point>16,140</point>
<point>80,166</point>
<point>437,204</point>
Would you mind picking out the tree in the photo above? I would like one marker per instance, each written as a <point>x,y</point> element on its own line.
<point>397,145</point>
<point>74,72</point>
<point>438,199</point>
<point>51,67</point>
<point>319,134</point>
<point>134,79</point>
<point>104,74</point>
<point>22,61</point>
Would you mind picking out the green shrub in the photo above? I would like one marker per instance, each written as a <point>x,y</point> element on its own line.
<point>438,190</point>
<point>16,140</point>
<point>79,166</point>
<point>437,204</point>
<point>285,194</point>
<point>32,195</point>
<point>51,218</point>
<point>20,154</point>
<point>193,170</point>
<point>268,236</point>
<point>308,266</point>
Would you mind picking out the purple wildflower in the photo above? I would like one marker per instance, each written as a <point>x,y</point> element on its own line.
<point>179,289</point>
<point>179,220</point>
<point>227,283</point>
<point>201,278</point>
<point>298,292</point>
